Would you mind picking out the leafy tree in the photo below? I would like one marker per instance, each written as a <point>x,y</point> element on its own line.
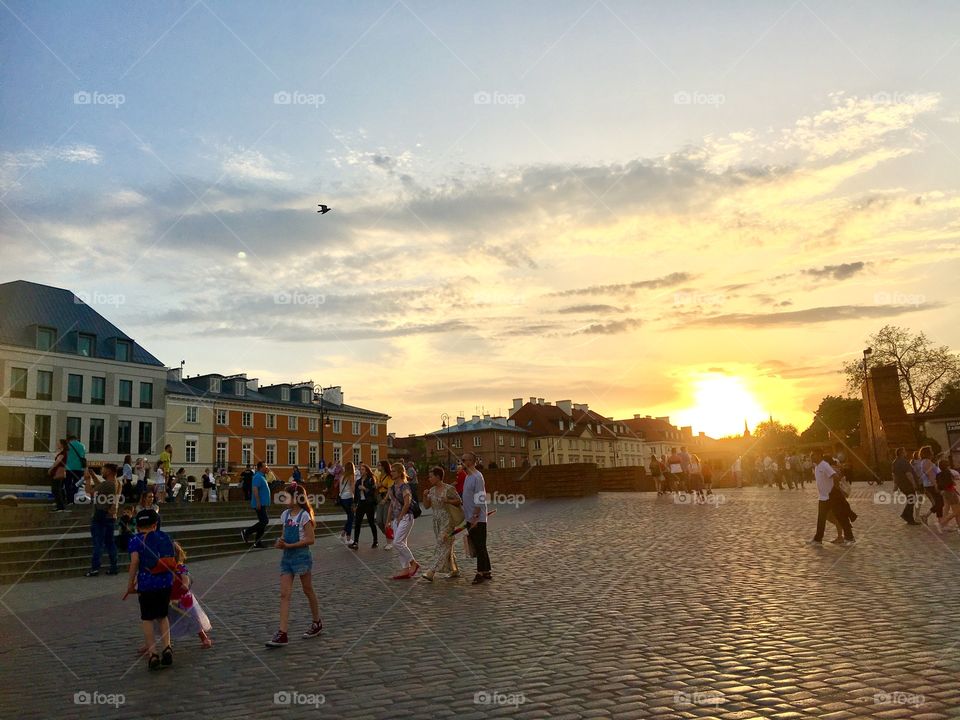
<point>927,372</point>
<point>772,434</point>
<point>839,415</point>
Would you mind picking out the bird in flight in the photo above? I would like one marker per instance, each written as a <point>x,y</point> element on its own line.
<point>323,209</point>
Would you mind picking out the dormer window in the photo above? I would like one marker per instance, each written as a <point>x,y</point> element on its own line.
<point>86,345</point>
<point>285,394</point>
<point>215,385</point>
<point>123,351</point>
<point>305,395</point>
<point>46,338</point>
<point>239,387</point>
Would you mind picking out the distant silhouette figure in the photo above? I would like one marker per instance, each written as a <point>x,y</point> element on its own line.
<point>323,209</point>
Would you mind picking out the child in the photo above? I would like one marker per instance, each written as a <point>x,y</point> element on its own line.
<point>128,528</point>
<point>151,576</point>
<point>189,617</point>
<point>298,535</point>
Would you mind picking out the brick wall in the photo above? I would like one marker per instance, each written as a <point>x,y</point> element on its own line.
<point>545,481</point>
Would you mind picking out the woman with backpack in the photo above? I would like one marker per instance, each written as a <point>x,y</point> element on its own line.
<point>400,516</point>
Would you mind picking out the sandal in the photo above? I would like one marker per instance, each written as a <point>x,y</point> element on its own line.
<point>154,662</point>
<point>166,658</point>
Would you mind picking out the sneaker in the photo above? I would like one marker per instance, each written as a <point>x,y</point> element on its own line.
<point>314,630</point>
<point>92,573</point>
<point>452,576</point>
<point>353,546</point>
<point>814,542</point>
<point>259,545</point>
<point>388,546</point>
<point>166,659</point>
<point>838,541</point>
<point>243,536</point>
<point>112,572</point>
<point>375,545</point>
<point>154,662</point>
<point>850,542</point>
<point>279,640</point>
<point>478,578</point>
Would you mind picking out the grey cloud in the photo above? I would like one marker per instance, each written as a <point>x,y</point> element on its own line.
<point>611,328</point>
<point>595,309</point>
<point>671,280</point>
<point>837,272</point>
<point>810,316</point>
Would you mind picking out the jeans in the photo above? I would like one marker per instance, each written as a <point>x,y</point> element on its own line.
<point>258,528</point>
<point>478,538</point>
<point>368,508</point>
<point>70,484</point>
<point>56,489</point>
<point>347,505</point>
<point>101,531</point>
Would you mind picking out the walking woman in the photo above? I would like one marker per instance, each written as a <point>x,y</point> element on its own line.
<point>345,499</point>
<point>928,475</point>
<point>58,476</point>
<point>695,474</point>
<point>447,514</point>
<point>140,470</point>
<point>400,521</point>
<point>947,485</point>
<point>365,504</point>
<point>298,535</point>
<point>384,482</point>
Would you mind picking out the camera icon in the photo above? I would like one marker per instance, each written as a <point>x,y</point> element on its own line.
<point>282,298</point>
<point>282,98</point>
<point>482,97</point>
<point>482,697</point>
<point>683,498</point>
<point>82,98</point>
<point>883,498</point>
<point>882,298</point>
<point>82,698</point>
<point>682,98</point>
<point>283,697</point>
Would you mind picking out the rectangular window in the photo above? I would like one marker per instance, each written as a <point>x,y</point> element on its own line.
<point>240,387</point>
<point>98,391</point>
<point>458,442</point>
<point>73,427</point>
<point>477,441</point>
<point>271,421</point>
<point>126,393</point>
<point>356,455</point>
<point>503,461</point>
<point>513,441</point>
<point>74,388</point>
<point>513,461</point>
<point>500,440</point>
<point>312,424</point>
<point>221,453</point>
<point>190,451</point>
<point>246,453</point>
<point>439,444</point>
<point>285,394</point>
<point>293,422</point>
<point>44,385</point>
<point>337,454</point>
<point>312,455</point>
<point>374,429</point>
<point>292,454</point>
<point>536,444</point>
<point>46,339</point>
<point>146,395</point>
<point>86,345</point>
<point>192,414</point>
<point>337,426</point>
<point>41,433</point>
<point>374,454</point>
<point>17,429</point>
<point>124,437</point>
<point>214,385</point>
<point>271,453</point>
<point>356,428</point>
<point>18,382</point>
<point>523,442</point>
<point>145,438</point>
<point>246,419</point>
<point>96,435</point>
<point>123,351</point>
<point>222,417</point>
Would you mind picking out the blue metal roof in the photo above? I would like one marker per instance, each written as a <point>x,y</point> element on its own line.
<point>25,305</point>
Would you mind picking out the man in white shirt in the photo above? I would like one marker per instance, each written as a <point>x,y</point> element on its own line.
<point>824,476</point>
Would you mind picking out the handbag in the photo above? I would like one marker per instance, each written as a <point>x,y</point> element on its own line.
<point>456,511</point>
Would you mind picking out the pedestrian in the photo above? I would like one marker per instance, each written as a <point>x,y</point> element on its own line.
<point>140,470</point>
<point>58,477</point>
<point>707,473</point>
<point>384,483</point>
<point>160,483</point>
<point>675,468</point>
<point>345,500</point>
<point>299,534</point>
<point>105,496</point>
<point>259,501</point>
<point>166,460</point>
<point>461,477</point>
<point>695,478</point>
<point>75,464</point>
<point>447,515</point>
<point>947,486</point>
<point>738,471</point>
<point>826,477</point>
<point>189,619</point>
<point>400,521</point>
<point>365,503</point>
<point>130,493</point>
<point>475,514</point>
<point>685,470</point>
<point>151,578</point>
<point>206,482</point>
<point>928,476</point>
<point>905,481</point>
<point>656,472</point>
<point>246,483</point>
<point>413,479</point>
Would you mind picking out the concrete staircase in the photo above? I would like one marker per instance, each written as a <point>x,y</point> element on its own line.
<point>36,543</point>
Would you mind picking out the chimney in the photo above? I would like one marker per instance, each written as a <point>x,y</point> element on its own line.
<point>582,407</point>
<point>333,395</point>
<point>533,401</point>
<point>665,419</point>
<point>566,406</point>
<point>475,418</point>
<point>486,416</point>
<point>174,374</point>
<point>638,416</point>
<point>517,404</point>
<point>539,401</point>
<point>460,420</point>
<point>253,384</point>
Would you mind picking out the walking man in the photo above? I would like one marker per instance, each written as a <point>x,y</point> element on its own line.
<point>906,483</point>
<point>105,494</point>
<point>259,501</point>
<point>475,513</point>
<point>824,475</point>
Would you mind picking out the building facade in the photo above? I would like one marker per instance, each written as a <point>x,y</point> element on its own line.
<point>67,370</point>
<point>494,440</point>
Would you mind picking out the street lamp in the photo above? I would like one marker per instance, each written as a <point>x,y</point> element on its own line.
<point>867,410</point>
<point>324,423</point>
<point>445,424</point>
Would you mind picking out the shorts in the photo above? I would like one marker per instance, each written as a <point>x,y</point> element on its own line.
<point>155,604</point>
<point>296,562</point>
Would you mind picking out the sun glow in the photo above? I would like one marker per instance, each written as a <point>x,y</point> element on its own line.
<point>721,403</point>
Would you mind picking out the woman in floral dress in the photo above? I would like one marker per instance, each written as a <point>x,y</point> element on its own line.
<point>447,514</point>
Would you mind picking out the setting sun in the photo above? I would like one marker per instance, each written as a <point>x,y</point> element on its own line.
<point>721,404</point>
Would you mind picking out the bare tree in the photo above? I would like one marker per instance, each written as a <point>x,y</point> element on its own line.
<point>926,372</point>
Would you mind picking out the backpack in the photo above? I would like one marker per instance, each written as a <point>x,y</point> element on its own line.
<point>73,449</point>
<point>415,508</point>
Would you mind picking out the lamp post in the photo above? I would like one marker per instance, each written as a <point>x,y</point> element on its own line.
<point>867,409</point>
<point>445,425</point>
<point>324,423</point>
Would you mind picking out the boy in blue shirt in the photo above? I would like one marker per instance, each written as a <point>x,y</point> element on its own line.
<point>152,560</point>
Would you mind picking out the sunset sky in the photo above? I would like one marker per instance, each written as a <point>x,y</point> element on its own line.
<point>693,209</point>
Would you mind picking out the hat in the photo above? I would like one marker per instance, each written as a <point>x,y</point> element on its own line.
<point>147,517</point>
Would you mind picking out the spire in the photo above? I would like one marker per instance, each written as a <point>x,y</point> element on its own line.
<point>746,430</point>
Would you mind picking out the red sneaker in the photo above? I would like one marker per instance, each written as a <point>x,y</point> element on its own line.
<point>279,640</point>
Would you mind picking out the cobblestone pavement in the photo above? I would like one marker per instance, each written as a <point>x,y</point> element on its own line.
<point>622,605</point>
